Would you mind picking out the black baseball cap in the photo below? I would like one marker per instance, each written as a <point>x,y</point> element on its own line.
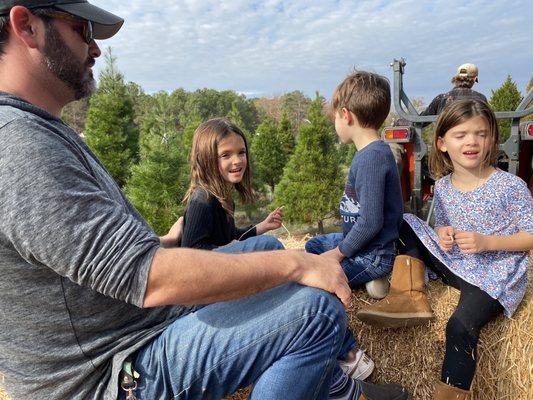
<point>104,23</point>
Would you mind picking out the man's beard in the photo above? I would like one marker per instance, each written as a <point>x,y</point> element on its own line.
<point>61,61</point>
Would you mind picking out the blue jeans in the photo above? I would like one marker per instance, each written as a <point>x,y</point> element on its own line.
<point>284,341</point>
<point>266,243</point>
<point>254,243</point>
<point>360,269</point>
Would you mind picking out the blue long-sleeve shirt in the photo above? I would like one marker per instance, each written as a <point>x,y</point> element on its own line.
<point>371,207</point>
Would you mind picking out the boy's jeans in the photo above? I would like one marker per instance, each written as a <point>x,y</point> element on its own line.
<point>285,340</point>
<point>362,268</point>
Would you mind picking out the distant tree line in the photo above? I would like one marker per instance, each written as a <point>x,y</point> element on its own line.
<point>144,141</point>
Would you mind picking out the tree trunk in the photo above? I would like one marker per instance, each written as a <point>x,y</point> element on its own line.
<point>321,227</point>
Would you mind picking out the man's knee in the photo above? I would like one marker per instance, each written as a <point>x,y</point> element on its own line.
<point>325,307</point>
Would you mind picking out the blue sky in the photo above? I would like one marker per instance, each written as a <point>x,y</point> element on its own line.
<point>269,47</point>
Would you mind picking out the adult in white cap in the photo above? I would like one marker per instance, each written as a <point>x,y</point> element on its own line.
<point>467,72</point>
<point>463,80</point>
<point>86,287</point>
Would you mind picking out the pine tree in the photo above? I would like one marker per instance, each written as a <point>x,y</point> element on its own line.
<point>158,183</point>
<point>286,135</point>
<point>346,154</point>
<point>141,101</point>
<point>209,103</point>
<point>528,88</point>
<point>110,130</point>
<point>235,116</point>
<point>311,185</point>
<point>188,134</point>
<point>75,115</point>
<point>506,98</point>
<point>268,153</point>
<point>296,105</point>
<point>179,98</point>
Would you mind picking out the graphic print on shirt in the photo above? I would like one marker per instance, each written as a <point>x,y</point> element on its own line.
<point>349,207</point>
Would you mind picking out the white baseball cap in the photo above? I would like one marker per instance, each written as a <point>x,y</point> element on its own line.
<point>468,70</point>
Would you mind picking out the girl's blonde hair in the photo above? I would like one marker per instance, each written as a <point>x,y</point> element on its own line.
<point>204,164</point>
<point>456,113</point>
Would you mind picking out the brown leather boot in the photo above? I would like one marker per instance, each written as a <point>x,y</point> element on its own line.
<point>407,303</point>
<point>447,392</point>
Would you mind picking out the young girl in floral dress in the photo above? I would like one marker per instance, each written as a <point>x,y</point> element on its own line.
<point>483,233</point>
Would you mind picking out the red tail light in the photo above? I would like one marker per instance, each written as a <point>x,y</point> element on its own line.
<point>526,129</point>
<point>397,134</point>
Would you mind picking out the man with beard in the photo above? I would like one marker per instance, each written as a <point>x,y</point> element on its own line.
<point>86,287</point>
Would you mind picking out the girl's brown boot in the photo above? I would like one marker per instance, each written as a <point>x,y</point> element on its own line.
<point>407,302</point>
<point>447,392</point>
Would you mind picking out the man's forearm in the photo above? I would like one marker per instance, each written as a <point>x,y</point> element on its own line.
<point>186,276</point>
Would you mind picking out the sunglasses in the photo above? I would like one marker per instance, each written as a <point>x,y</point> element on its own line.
<point>85,29</point>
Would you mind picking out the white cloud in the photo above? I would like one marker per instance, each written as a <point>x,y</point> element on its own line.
<point>273,46</point>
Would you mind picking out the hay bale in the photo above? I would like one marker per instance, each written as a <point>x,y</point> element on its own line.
<point>413,356</point>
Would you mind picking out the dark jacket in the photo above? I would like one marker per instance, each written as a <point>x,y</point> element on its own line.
<point>207,225</point>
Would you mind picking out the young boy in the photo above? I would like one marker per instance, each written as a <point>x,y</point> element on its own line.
<point>371,206</point>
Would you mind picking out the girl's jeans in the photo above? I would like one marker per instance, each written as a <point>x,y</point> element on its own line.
<point>285,341</point>
<point>254,243</point>
<point>360,269</point>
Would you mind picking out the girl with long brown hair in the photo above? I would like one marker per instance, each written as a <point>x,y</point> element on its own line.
<point>219,165</point>
<point>483,233</point>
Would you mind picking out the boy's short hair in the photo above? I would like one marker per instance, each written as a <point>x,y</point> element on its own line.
<point>4,23</point>
<point>365,94</point>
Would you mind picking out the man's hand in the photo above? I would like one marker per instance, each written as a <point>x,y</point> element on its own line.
<point>446,237</point>
<point>322,272</point>
<point>334,254</point>
<point>271,222</point>
<point>471,242</point>
<point>173,237</point>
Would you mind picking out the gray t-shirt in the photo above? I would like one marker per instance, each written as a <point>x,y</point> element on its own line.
<point>74,262</point>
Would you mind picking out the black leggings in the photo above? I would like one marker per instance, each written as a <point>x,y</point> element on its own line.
<point>475,309</point>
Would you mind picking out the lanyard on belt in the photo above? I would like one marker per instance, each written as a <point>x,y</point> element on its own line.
<point>128,380</point>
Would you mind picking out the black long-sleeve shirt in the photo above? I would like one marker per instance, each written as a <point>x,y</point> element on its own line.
<point>207,225</point>
<point>438,104</point>
<point>441,101</point>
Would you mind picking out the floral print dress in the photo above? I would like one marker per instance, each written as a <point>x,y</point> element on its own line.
<point>502,206</point>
